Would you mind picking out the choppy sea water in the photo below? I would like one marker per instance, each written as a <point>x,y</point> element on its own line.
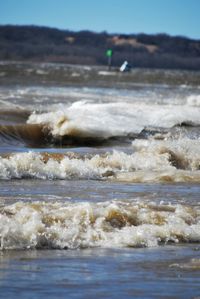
<point>99,182</point>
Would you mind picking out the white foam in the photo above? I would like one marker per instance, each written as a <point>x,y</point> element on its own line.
<point>193,100</point>
<point>150,161</point>
<point>41,72</point>
<point>30,165</point>
<point>107,73</point>
<point>108,224</point>
<point>113,119</point>
<point>159,176</point>
<point>184,151</point>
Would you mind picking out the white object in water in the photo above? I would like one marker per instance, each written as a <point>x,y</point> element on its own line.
<point>124,67</point>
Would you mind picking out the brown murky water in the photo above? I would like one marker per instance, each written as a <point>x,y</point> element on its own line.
<point>99,183</point>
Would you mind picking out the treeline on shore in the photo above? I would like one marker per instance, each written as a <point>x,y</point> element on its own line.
<point>34,43</point>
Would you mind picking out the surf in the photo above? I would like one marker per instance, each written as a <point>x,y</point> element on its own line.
<point>111,224</point>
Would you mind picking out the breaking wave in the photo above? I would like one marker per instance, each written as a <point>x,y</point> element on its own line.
<point>108,224</point>
<point>91,124</point>
<point>105,120</point>
<point>151,161</point>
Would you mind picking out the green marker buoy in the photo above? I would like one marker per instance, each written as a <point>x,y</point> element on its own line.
<point>109,54</point>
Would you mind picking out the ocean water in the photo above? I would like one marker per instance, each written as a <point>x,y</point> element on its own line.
<point>99,182</point>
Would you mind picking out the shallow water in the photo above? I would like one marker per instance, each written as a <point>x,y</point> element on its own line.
<point>108,273</point>
<point>99,183</point>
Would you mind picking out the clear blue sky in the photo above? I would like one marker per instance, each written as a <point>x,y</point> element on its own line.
<point>175,17</point>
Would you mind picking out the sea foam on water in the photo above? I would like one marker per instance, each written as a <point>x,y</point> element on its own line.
<point>175,160</point>
<point>108,224</point>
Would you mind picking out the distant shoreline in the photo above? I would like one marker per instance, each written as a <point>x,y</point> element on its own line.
<point>43,44</point>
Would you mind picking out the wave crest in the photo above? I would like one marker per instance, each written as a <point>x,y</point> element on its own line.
<point>150,161</point>
<point>84,119</point>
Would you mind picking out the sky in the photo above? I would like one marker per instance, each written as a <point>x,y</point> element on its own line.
<point>174,17</point>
